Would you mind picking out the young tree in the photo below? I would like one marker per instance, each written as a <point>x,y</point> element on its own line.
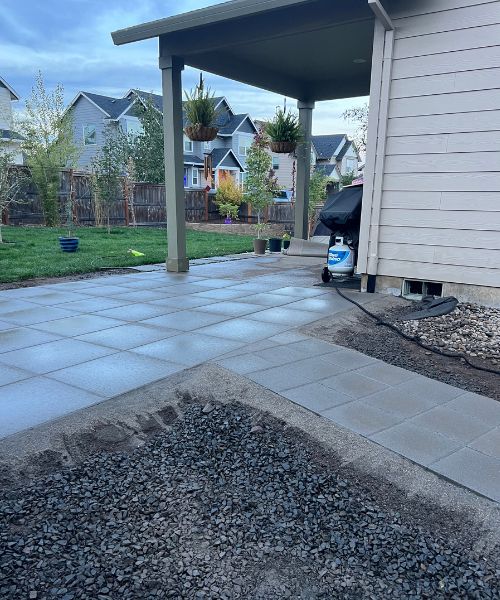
<point>260,183</point>
<point>47,144</point>
<point>317,194</point>
<point>359,116</point>
<point>146,148</point>
<point>12,180</point>
<point>228,197</point>
<point>108,166</point>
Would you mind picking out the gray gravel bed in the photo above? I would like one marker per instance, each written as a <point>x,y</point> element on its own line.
<point>470,329</point>
<point>226,504</point>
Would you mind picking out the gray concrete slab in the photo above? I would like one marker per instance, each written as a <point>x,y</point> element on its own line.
<point>284,315</point>
<point>28,403</point>
<point>116,373</point>
<point>453,424</point>
<point>135,312</point>
<point>350,359</point>
<point>354,385</point>
<point>472,469</point>
<point>416,443</point>
<point>78,325</point>
<point>130,297</point>
<point>186,320</point>
<point>188,349</point>
<point>4,326</point>
<point>477,406</point>
<point>269,299</point>
<point>361,417</point>
<point>54,355</point>
<point>10,374</point>
<point>385,373</point>
<point>281,378</point>
<point>392,400</point>
<point>128,336</point>
<point>489,443</point>
<point>231,308</point>
<point>316,397</point>
<point>23,337</point>
<point>37,314</point>
<point>93,304</point>
<point>244,330</point>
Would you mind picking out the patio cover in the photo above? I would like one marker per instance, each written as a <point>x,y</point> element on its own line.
<point>310,50</point>
<point>306,49</point>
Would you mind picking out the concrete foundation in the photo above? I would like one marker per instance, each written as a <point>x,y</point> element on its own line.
<point>486,296</point>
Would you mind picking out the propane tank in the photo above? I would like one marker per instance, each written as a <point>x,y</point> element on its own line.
<point>340,258</point>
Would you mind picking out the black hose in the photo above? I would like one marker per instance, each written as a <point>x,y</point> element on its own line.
<point>414,339</point>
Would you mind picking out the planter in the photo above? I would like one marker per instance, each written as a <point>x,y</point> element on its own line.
<point>286,244</point>
<point>259,246</point>
<point>275,245</point>
<point>69,244</point>
<point>283,147</point>
<point>200,133</point>
<point>228,221</point>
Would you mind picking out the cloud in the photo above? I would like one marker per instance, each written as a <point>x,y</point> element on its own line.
<point>70,42</point>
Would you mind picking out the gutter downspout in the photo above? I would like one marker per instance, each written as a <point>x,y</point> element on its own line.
<point>377,127</point>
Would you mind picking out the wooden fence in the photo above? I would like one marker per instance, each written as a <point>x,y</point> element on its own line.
<point>142,203</point>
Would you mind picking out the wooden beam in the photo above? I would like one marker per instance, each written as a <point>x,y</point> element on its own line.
<point>381,14</point>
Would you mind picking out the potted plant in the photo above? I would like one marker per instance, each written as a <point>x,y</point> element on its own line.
<point>284,132</point>
<point>201,114</point>
<point>274,244</point>
<point>286,240</point>
<point>228,198</point>
<point>69,243</point>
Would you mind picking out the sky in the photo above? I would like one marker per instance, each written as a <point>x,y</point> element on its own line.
<point>69,41</point>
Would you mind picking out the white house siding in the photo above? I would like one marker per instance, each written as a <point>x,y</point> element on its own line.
<point>440,202</point>
<point>86,113</point>
<point>285,173</point>
<point>349,162</point>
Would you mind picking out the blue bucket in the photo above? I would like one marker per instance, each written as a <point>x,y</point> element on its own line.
<point>69,244</point>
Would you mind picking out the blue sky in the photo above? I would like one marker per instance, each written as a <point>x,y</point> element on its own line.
<point>70,42</point>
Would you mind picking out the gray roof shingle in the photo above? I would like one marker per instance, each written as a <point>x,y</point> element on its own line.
<point>326,145</point>
<point>111,106</point>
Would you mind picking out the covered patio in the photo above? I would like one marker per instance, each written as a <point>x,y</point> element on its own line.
<point>311,50</point>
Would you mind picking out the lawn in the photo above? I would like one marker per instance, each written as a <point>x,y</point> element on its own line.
<point>30,252</point>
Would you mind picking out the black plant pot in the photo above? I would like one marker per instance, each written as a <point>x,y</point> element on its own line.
<point>275,245</point>
<point>259,246</point>
<point>286,244</point>
<point>69,244</point>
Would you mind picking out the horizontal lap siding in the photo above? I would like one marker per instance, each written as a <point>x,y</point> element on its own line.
<point>440,217</point>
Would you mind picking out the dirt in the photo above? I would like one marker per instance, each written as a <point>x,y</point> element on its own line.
<point>64,278</point>
<point>360,332</point>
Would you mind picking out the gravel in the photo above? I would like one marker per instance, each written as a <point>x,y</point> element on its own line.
<point>470,329</point>
<point>225,504</point>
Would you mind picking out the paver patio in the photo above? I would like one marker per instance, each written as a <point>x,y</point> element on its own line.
<point>70,345</point>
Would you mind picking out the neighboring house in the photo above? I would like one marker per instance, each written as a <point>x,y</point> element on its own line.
<point>335,155</point>
<point>284,167</point>
<point>10,139</point>
<point>92,112</point>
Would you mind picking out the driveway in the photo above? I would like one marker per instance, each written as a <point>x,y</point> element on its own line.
<point>67,346</point>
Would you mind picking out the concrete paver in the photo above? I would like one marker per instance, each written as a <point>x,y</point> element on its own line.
<point>69,345</point>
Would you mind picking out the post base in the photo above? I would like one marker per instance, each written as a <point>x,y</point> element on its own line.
<point>177,265</point>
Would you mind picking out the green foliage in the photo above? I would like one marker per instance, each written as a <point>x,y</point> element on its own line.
<point>147,147</point>
<point>199,106</point>
<point>348,178</point>
<point>317,194</point>
<point>48,144</point>
<point>108,166</point>
<point>359,116</point>
<point>11,181</point>
<point>228,197</point>
<point>259,183</point>
<point>32,251</point>
<point>284,127</point>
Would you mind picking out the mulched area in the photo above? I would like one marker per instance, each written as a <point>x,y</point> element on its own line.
<point>227,504</point>
<point>361,332</point>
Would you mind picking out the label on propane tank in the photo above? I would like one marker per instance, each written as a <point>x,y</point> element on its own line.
<point>339,257</point>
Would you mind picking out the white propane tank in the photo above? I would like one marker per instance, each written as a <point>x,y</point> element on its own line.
<point>340,258</point>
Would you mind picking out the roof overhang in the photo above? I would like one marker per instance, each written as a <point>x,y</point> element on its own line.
<point>306,49</point>
<point>13,94</point>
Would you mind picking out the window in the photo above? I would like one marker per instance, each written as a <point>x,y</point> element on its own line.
<point>276,163</point>
<point>195,177</point>
<point>207,146</point>
<point>243,178</point>
<point>243,146</point>
<point>352,165</point>
<point>134,127</point>
<point>89,135</point>
<point>185,177</point>
<point>188,144</point>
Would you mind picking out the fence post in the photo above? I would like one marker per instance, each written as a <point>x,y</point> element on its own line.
<point>249,213</point>
<point>125,201</point>
<point>206,206</point>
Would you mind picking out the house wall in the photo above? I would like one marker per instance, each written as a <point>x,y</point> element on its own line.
<point>284,174</point>
<point>349,158</point>
<point>86,113</point>
<point>5,108</point>
<point>438,147</point>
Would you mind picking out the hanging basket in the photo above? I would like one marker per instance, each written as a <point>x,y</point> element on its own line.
<point>283,147</point>
<point>201,133</point>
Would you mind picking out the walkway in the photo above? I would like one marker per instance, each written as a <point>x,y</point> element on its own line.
<point>70,345</point>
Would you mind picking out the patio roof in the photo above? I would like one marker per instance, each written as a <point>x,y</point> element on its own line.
<point>306,49</point>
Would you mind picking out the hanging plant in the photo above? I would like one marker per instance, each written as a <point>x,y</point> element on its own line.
<point>284,132</point>
<point>201,114</point>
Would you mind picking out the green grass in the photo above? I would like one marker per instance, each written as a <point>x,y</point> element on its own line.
<point>30,252</point>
